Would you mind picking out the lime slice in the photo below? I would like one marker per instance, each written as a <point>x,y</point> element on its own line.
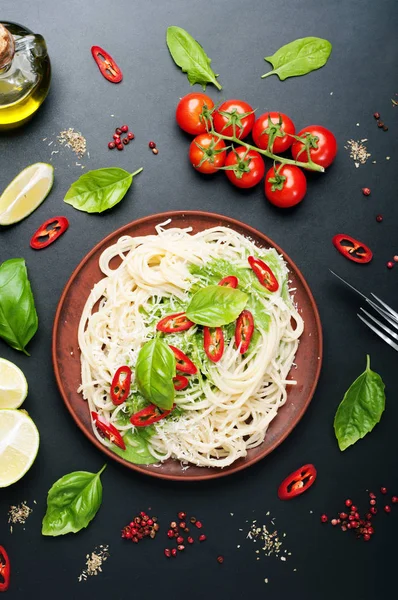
<point>25,193</point>
<point>13,385</point>
<point>19,443</point>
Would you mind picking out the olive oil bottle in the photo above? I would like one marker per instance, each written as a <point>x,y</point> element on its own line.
<point>25,74</point>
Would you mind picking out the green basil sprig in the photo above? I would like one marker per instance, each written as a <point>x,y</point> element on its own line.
<point>18,316</point>
<point>99,190</point>
<point>137,447</point>
<point>154,372</point>
<point>189,55</point>
<point>216,305</point>
<point>72,502</point>
<point>299,57</point>
<point>361,408</point>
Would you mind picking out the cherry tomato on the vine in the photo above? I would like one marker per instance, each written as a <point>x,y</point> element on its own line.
<point>192,111</point>
<point>207,153</point>
<point>234,115</point>
<point>275,127</point>
<point>285,186</point>
<point>321,143</point>
<point>248,167</point>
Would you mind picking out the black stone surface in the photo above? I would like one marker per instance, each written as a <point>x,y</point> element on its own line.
<point>359,79</point>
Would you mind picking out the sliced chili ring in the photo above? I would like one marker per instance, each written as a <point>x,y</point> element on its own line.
<point>174,323</point>
<point>109,69</point>
<point>183,363</point>
<point>244,331</point>
<point>230,281</point>
<point>149,415</point>
<point>352,248</point>
<point>4,570</point>
<point>297,482</point>
<point>50,231</point>
<point>120,386</point>
<point>180,382</point>
<point>213,342</point>
<point>108,430</point>
<point>264,274</point>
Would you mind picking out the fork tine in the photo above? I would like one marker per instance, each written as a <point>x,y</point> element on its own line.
<point>380,324</point>
<point>379,333</point>
<point>386,315</point>
<point>389,309</point>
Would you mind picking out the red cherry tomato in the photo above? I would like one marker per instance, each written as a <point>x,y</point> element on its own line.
<point>234,115</point>
<point>248,168</point>
<point>322,146</point>
<point>207,153</point>
<point>275,127</point>
<point>285,188</point>
<point>192,112</point>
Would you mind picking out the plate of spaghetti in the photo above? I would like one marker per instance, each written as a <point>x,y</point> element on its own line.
<point>187,345</point>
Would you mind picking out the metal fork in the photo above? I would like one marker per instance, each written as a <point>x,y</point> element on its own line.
<point>384,310</point>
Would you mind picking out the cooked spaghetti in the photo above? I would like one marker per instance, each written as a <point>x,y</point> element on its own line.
<point>228,405</point>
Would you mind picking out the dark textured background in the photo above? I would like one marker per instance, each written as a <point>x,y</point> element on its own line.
<point>359,79</point>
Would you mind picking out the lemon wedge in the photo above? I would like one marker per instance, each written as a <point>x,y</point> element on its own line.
<point>13,385</point>
<point>25,193</point>
<point>19,444</point>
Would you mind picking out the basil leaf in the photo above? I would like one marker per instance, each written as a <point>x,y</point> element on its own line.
<point>154,372</point>
<point>360,409</point>
<point>189,55</point>
<point>299,57</point>
<point>72,502</point>
<point>99,190</point>
<point>18,316</point>
<point>137,447</point>
<point>216,305</point>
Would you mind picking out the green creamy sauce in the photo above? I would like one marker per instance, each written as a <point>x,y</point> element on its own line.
<point>191,341</point>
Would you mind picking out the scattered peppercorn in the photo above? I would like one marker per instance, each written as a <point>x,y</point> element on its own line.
<point>383,490</point>
<point>155,151</point>
<point>324,518</point>
<point>167,552</point>
<point>180,539</point>
<point>116,136</point>
<point>390,264</point>
<point>190,540</point>
<point>174,552</point>
<point>202,537</point>
<point>379,218</point>
<point>376,115</point>
<point>372,502</point>
<point>130,135</point>
<point>118,131</point>
<point>380,124</point>
<point>140,527</point>
<point>396,260</point>
<point>193,520</point>
<point>220,559</point>
<point>366,537</point>
<point>198,524</point>
<point>385,128</point>
<point>394,499</point>
<point>366,191</point>
<point>124,128</point>
<point>387,508</point>
<point>180,547</point>
<point>126,141</point>
<point>119,146</point>
<point>111,145</point>
<point>152,145</point>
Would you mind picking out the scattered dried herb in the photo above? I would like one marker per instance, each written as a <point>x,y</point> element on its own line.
<point>74,140</point>
<point>19,514</point>
<point>358,151</point>
<point>94,562</point>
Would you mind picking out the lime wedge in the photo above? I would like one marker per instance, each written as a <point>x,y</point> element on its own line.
<point>13,385</point>
<point>25,193</point>
<point>19,443</point>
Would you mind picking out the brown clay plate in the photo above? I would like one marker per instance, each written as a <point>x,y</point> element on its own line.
<point>66,353</point>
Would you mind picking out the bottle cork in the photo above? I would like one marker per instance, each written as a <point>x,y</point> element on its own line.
<point>6,46</point>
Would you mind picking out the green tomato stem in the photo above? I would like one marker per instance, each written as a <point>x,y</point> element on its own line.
<point>284,161</point>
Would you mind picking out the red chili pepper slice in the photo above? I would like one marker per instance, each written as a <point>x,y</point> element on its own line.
<point>244,330</point>
<point>352,248</point>
<point>106,65</point>
<point>230,281</point>
<point>4,570</point>
<point>213,341</point>
<point>180,382</point>
<point>50,231</point>
<point>297,483</point>
<point>264,274</point>
<point>120,386</point>
<point>174,323</point>
<point>108,430</point>
<point>183,363</point>
<point>149,415</point>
